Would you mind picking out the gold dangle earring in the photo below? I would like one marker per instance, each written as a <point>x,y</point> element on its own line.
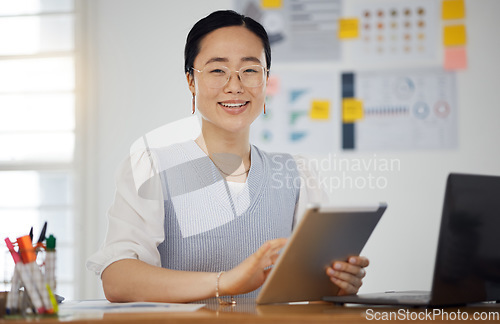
<point>264,108</point>
<point>194,104</point>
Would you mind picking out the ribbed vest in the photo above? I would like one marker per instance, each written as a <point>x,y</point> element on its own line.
<point>203,229</point>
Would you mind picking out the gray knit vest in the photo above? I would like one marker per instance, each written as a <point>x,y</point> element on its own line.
<point>203,231</point>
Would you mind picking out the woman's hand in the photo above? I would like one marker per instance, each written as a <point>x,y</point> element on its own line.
<point>253,271</point>
<point>348,275</point>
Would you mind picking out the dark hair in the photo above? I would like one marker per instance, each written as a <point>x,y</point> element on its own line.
<point>216,20</point>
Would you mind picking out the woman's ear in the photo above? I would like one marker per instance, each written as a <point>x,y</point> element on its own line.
<point>190,81</point>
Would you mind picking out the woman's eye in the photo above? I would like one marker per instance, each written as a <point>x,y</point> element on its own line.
<point>250,71</point>
<point>217,71</point>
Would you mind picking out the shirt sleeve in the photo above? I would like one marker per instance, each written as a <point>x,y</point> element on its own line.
<point>136,217</point>
<point>311,191</point>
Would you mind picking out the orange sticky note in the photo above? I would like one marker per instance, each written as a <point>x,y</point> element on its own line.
<point>273,85</point>
<point>348,28</point>
<point>352,110</point>
<point>454,35</point>
<point>320,109</point>
<point>271,4</point>
<point>453,9</point>
<point>455,58</point>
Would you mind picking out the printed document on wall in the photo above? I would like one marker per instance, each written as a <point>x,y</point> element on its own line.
<point>392,31</point>
<point>301,109</point>
<point>405,109</point>
<point>299,30</point>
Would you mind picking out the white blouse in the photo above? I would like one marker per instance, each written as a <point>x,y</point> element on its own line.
<point>136,218</point>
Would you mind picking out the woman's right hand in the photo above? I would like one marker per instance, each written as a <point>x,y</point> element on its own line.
<point>253,271</point>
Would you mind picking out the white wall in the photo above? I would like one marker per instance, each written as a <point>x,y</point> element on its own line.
<point>135,82</point>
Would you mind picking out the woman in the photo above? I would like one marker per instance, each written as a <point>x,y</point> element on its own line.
<point>225,206</point>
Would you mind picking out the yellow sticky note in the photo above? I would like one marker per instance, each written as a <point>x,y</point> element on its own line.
<point>271,4</point>
<point>453,9</point>
<point>352,110</point>
<point>320,109</point>
<point>348,28</point>
<point>454,35</point>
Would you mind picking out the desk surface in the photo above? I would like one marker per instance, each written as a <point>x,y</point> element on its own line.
<point>246,311</point>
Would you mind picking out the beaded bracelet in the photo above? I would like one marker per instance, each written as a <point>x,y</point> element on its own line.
<point>222,302</point>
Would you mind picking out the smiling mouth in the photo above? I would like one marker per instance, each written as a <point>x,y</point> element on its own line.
<point>233,105</point>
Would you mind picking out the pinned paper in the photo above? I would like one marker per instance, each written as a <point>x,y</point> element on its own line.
<point>454,35</point>
<point>348,28</point>
<point>273,85</point>
<point>455,58</point>
<point>320,109</point>
<point>271,4</point>
<point>352,110</point>
<point>453,9</point>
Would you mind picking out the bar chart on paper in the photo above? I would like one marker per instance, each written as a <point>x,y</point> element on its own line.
<point>401,110</point>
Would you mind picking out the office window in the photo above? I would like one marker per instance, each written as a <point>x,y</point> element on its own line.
<point>37,128</point>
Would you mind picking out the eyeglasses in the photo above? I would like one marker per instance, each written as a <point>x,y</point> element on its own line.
<point>217,76</point>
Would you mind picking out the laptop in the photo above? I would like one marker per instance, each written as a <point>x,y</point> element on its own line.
<point>324,234</point>
<point>467,265</point>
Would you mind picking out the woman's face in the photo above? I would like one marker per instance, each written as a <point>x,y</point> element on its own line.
<point>232,107</point>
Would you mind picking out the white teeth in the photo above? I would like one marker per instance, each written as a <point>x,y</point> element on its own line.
<point>228,105</point>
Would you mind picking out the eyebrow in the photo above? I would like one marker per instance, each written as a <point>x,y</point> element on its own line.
<point>224,59</point>
<point>217,59</point>
<point>250,59</point>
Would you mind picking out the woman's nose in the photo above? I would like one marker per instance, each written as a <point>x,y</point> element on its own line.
<point>234,83</point>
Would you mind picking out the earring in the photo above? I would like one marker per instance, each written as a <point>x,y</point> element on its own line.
<point>192,113</point>
<point>264,109</point>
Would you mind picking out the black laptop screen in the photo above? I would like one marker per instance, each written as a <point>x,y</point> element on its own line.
<point>468,255</point>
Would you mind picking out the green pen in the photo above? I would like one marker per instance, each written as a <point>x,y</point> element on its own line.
<point>50,262</point>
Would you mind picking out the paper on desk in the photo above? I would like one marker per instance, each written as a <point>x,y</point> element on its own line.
<point>104,306</point>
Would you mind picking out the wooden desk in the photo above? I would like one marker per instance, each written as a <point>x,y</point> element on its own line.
<point>246,311</point>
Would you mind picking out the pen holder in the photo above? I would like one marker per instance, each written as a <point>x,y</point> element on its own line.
<point>29,300</point>
<point>32,283</point>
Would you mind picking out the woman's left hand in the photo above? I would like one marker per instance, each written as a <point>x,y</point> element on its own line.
<point>348,275</point>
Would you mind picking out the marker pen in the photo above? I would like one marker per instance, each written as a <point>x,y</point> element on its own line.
<point>50,262</point>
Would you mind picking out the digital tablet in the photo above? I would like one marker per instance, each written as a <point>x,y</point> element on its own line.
<point>325,234</point>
